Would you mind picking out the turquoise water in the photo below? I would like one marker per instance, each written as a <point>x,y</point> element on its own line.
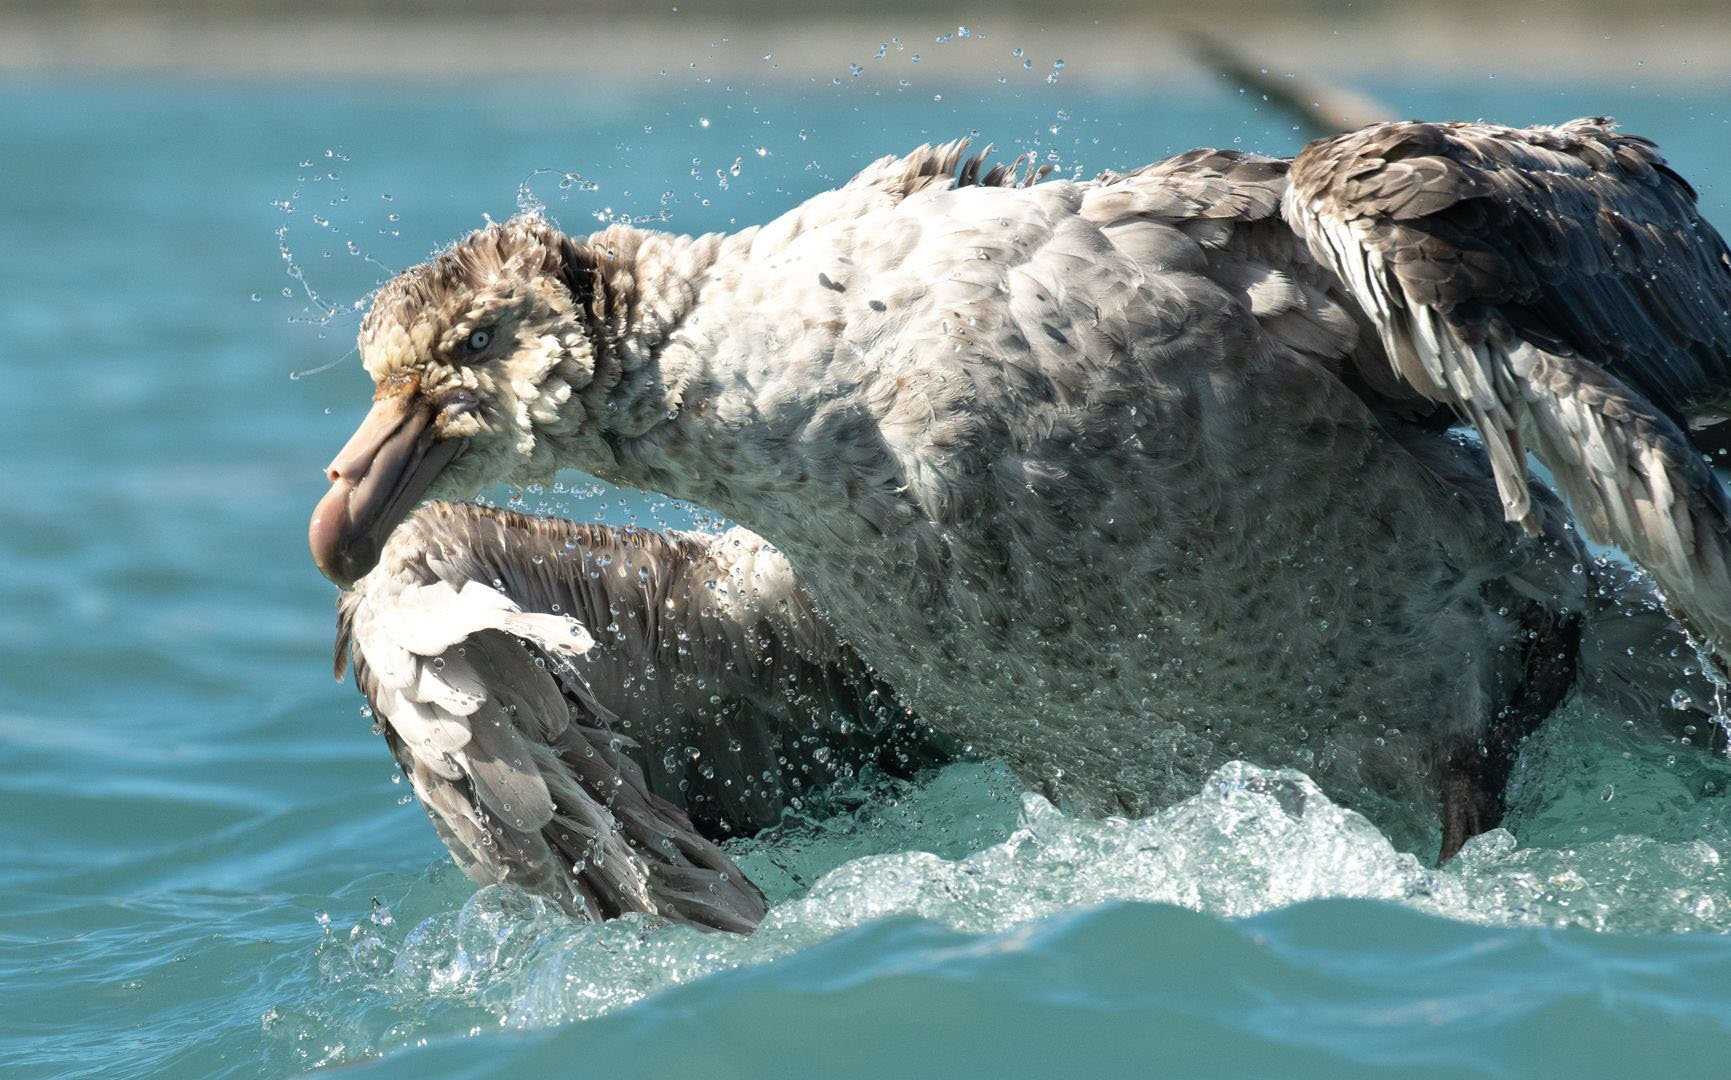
<point>209,868</point>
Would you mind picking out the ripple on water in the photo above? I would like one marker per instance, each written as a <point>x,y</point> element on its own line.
<point>1253,840</point>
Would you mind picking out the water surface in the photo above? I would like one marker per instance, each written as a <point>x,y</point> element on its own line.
<point>211,869</point>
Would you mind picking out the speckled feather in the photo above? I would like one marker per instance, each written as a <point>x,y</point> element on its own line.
<point>1112,479</point>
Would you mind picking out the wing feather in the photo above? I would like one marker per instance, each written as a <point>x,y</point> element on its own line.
<point>518,733</point>
<point>470,697</point>
<point>1558,288</point>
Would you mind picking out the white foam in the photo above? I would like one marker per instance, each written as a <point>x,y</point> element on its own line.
<point>1252,840</point>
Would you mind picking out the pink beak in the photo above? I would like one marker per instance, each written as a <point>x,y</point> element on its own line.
<point>380,474</point>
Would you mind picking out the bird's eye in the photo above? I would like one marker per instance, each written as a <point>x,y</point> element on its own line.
<point>480,339</point>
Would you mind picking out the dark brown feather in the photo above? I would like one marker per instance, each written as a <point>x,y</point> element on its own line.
<point>1557,284</point>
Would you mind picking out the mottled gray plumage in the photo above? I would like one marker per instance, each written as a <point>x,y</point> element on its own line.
<point>1120,479</point>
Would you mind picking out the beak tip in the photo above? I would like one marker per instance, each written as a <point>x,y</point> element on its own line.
<point>377,479</point>
<point>336,549</point>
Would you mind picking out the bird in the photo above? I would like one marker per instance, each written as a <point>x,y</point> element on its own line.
<point>1113,479</point>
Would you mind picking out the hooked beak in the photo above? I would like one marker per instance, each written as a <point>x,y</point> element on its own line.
<point>377,478</point>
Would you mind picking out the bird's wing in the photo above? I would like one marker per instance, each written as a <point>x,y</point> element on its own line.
<point>511,756</point>
<point>1558,288</point>
<point>711,700</point>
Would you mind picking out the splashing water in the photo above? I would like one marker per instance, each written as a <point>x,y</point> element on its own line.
<point>1620,831</point>
<point>187,790</point>
<point>968,851</point>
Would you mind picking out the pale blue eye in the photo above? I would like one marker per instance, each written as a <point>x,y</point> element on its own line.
<point>480,339</point>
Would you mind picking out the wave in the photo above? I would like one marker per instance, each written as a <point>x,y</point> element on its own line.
<point>890,876</point>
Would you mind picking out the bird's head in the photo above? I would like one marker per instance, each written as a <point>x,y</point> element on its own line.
<point>480,358</point>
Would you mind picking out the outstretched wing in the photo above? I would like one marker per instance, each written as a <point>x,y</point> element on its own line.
<point>1558,288</point>
<point>602,771</point>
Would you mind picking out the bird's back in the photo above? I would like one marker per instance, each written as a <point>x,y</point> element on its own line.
<point>1076,468</point>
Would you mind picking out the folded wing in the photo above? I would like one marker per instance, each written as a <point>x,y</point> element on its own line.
<point>1558,288</point>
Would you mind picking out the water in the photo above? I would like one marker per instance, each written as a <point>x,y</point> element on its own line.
<point>209,868</point>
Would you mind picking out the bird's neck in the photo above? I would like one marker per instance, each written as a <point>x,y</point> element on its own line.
<point>638,287</point>
<point>657,395</point>
<point>698,397</point>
